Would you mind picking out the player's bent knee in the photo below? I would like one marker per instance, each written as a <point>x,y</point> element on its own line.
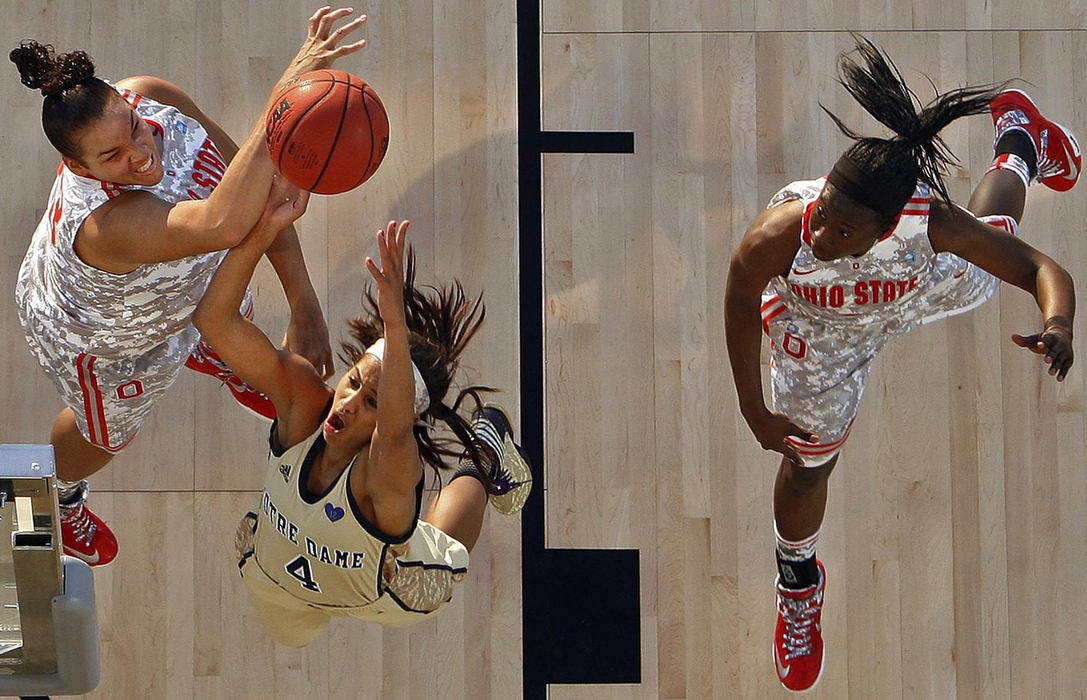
<point>801,479</point>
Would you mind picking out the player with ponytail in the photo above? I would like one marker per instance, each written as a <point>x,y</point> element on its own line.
<point>837,266</point>
<point>340,530</point>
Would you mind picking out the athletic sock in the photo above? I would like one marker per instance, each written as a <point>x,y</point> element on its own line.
<point>1019,143</point>
<point>487,434</point>
<point>69,492</point>
<point>796,562</point>
<point>1013,164</point>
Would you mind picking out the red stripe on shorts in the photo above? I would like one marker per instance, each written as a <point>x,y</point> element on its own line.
<point>808,449</point>
<point>93,409</point>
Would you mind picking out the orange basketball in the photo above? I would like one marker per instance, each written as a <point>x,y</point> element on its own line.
<point>327,131</point>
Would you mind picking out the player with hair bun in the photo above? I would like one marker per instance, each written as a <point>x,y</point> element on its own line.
<point>149,195</point>
<point>339,530</point>
<point>836,267</point>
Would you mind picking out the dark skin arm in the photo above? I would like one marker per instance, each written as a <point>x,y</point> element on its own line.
<point>1012,260</point>
<point>766,251</point>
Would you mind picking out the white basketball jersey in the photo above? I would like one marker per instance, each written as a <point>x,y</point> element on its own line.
<point>316,546</point>
<point>888,285</point>
<point>321,549</point>
<point>117,315</point>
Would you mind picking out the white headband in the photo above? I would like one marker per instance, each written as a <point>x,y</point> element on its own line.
<point>422,396</point>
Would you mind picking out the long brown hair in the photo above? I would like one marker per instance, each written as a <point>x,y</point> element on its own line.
<point>441,321</point>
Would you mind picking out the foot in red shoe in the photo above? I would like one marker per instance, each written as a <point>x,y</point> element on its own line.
<point>204,360</point>
<point>85,535</point>
<point>1058,154</point>
<point>798,639</point>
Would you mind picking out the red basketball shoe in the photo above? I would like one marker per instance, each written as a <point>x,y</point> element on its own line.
<point>85,535</point>
<point>1058,152</point>
<point>204,360</point>
<point>798,639</point>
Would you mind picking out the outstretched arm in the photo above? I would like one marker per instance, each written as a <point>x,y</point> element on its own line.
<point>394,467</point>
<point>766,251</point>
<point>289,381</point>
<point>1014,261</point>
<point>307,333</point>
<point>137,228</point>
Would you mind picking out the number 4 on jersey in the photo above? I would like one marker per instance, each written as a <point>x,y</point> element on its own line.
<point>300,569</point>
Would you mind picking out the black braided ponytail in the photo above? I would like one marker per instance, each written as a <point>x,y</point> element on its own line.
<point>74,97</point>
<point>917,151</point>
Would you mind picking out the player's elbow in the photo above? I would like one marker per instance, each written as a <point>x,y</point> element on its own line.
<point>207,322</point>
<point>215,226</point>
<point>230,232</point>
<point>1048,276</point>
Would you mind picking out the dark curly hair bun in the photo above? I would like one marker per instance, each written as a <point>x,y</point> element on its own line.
<point>40,68</point>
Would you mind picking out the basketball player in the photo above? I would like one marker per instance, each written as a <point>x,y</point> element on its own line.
<point>338,531</point>
<point>836,267</point>
<point>143,206</point>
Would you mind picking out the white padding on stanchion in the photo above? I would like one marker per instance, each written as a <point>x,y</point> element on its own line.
<point>76,630</point>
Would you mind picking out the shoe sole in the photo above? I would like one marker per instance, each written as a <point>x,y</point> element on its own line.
<point>505,416</point>
<point>85,558</point>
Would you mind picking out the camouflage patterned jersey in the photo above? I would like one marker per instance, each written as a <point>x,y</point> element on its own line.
<point>112,343</point>
<point>827,320</point>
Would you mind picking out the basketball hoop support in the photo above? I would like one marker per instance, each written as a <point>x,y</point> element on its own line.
<point>48,627</point>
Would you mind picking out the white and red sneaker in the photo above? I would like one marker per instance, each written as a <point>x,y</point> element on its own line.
<point>798,639</point>
<point>204,360</point>
<point>1057,151</point>
<point>85,535</point>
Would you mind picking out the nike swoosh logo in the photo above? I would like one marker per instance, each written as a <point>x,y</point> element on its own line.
<point>1073,171</point>
<point>783,670</point>
<point>91,560</point>
<point>805,272</point>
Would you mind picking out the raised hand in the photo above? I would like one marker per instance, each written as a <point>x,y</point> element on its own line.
<point>286,204</point>
<point>1054,343</point>
<point>390,276</point>
<point>322,45</point>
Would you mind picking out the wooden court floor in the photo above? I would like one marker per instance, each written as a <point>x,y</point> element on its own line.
<point>954,533</point>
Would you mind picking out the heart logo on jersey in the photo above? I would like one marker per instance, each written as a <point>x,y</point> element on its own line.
<point>334,513</point>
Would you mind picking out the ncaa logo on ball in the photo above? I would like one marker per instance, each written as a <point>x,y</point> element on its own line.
<point>274,131</point>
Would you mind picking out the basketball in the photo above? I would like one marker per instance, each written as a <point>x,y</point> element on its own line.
<point>327,131</point>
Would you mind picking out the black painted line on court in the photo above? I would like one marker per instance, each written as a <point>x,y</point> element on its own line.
<point>586,142</point>
<point>581,607</point>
